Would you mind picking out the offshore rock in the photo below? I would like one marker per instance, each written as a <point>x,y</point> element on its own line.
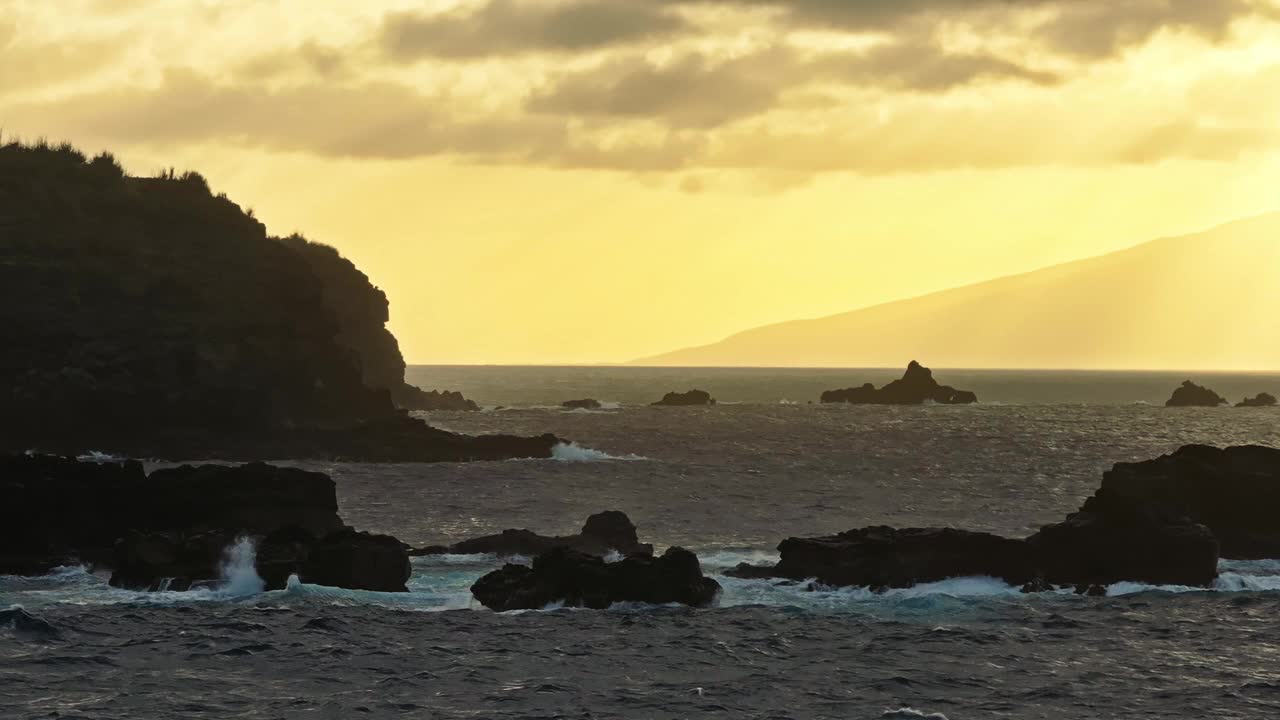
<point>686,399</point>
<point>1262,400</point>
<point>915,387</point>
<point>576,579</point>
<point>584,404</point>
<point>1190,394</point>
<point>603,532</point>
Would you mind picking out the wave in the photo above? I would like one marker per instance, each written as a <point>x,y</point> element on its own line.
<point>573,452</point>
<point>909,712</point>
<point>239,570</point>
<point>100,457</point>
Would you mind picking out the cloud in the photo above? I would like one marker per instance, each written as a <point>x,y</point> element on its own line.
<point>512,27</point>
<point>1087,29</point>
<point>697,90</point>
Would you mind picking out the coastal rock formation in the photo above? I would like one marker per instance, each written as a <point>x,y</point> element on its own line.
<point>1162,521</point>
<point>580,580</point>
<point>172,528</point>
<point>358,561</point>
<point>1091,549</point>
<point>691,398</point>
<point>1233,491</point>
<point>1190,394</point>
<point>915,387</point>
<point>585,404</point>
<point>1262,400</point>
<point>885,557</point>
<point>603,532</point>
<point>412,398</point>
<point>149,317</point>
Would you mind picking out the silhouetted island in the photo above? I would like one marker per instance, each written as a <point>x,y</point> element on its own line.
<point>1162,521</point>
<point>172,529</point>
<point>915,387</point>
<point>148,317</point>
<point>1190,394</point>
<point>1262,400</point>
<point>584,404</point>
<point>609,531</point>
<point>686,399</point>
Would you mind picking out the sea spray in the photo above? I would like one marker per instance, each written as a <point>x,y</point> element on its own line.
<point>239,572</point>
<point>573,452</point>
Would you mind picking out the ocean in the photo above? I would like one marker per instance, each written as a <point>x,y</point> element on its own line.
<point>728,482</point>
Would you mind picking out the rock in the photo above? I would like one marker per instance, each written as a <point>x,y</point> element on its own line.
<point>1094,549</point>
<point>358,561</point>
<point>413,398</point>
<point>1235,492</point>
<point>914,388</point>
<point>747,571</point>
<point>884,557</point>
<point>580,580</point>
<point>169,561</point>
<point>603,532</point>
<point>691,398</point>
<point>585,404</point>
<point>1190,394</point>
<point>1262,400</point>
<point>189,331</point>
<point>173,528</point>
<point>283,553</point>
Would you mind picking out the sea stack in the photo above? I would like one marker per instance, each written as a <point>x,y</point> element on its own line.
<point>1190,394</point>
<point>915,387</point>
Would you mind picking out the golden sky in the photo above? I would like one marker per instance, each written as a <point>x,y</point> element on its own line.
<point>551,181</point>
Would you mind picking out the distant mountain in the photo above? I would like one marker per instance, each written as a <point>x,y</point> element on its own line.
<point>1203,301</point>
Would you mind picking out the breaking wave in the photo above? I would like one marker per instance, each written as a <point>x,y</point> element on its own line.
<point>573,452</point>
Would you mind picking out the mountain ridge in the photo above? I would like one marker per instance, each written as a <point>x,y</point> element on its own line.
<point>1239,252</point>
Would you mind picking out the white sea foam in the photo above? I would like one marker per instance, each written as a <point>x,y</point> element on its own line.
<point>573,452</point>
<point>909,712</point>
<point>99,457</point>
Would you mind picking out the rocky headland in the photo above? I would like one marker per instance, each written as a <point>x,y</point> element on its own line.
<point>148,317</point>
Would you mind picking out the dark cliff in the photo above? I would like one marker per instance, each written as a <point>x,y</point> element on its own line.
<point>142,308</point>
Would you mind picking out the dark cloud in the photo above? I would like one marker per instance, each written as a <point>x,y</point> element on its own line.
<point>693,91</point>
<point>698,91</point>
<point>1091,29</point>
<point>508,27</point>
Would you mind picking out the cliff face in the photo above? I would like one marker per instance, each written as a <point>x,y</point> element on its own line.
<point>130,305</point>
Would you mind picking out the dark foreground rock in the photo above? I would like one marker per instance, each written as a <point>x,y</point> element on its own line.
<point>1262,400</point>
<point>584,404</point>
<point>580,580</point>
<point>1190,394</point>
<point>915,387</point>
<point>885,557</point>
<point>150,317</point>
<point>1235,492</point>
<point>686,399</point>
<point>358,561</point>
<point>1165,521</point>
<point>603,532</point>
<point>173,528</point>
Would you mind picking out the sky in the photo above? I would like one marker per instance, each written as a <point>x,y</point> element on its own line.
<point>563,181</point>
